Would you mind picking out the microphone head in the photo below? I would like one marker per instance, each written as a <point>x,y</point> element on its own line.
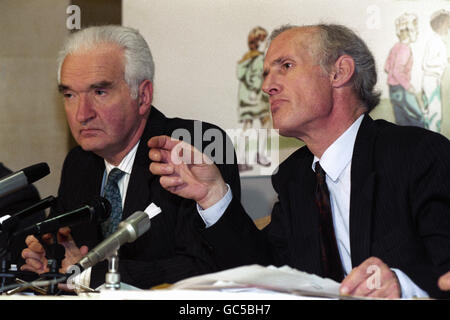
<point>102,209</point>
<point>136,224</point>
<point>36,171</point>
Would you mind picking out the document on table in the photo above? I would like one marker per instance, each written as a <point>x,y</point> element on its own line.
<point>255,277</point>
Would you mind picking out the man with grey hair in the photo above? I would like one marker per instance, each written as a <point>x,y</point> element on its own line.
<point>366,203</point>
<point>105,75</point>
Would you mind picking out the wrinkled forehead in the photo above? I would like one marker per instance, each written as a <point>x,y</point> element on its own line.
<point>84,67</point>
<point>107,53</point>
<point>299,41</point>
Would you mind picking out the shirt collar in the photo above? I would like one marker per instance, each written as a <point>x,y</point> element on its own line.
<point>127,162</point>
<point>339,154</point>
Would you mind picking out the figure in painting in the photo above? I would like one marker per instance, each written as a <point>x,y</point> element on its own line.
<point>434,63</point>
<point>253,102</point>
<point>406,101</point>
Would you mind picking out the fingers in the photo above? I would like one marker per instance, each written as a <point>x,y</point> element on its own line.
<point>64,231</point>
<point>354,282</point>
<point>34,256</point>
<point>73,253</point>
<point>160,155</point>
<point>34,265</point>
<point>444,281</point>
<point>162,142</point>
<point>84,250</point>
<point>167,150</point>
<point>64,235</point>
<point>34,261</point>
<point>160,148</point>
<point>171,182</point>
<point>161,169</point>
<point>373,278</point>
<point>34,245</point>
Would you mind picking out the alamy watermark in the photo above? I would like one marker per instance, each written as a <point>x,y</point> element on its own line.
<point>374,281</point>
<point>243,147</point>
<point>73,21</point>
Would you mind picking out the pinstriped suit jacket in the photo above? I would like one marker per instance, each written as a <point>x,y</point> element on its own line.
<point>399,208</point>
<point>172,249</point>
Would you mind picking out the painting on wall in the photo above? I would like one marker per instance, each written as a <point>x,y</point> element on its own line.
<point>421,107</point>
<point>253,109</point>
<point>408,38</point>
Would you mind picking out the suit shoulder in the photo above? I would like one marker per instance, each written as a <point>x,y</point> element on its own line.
<point>77,157</point>
<point>406,138</point>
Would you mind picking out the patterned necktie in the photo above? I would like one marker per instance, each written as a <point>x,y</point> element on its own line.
<point>112,193</point>
<point>331,261</point>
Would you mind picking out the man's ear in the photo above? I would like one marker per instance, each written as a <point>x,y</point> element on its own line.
<point>145,96</point>
<point>343,71</point>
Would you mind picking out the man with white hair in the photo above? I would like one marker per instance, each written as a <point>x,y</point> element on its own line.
<point>106,77</point>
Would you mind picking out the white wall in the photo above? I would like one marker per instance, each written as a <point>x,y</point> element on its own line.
<point>197,43</point>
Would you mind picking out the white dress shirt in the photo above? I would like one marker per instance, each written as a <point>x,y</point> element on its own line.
<point>126,165</point>
<point>336,162</point>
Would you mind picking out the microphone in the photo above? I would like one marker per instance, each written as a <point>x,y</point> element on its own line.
<point>22,178</point>
<point>97,212</point>
<point>9,223</point>
<point>128,231</point>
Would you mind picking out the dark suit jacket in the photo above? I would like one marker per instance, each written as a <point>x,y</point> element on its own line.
<point>13,203</point>
<point>172,249</point>
<point>399,208</point>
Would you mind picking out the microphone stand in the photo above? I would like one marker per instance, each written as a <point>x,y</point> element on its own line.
<point>112,277</point>
<point>55,253</point>
<point>5,274</point>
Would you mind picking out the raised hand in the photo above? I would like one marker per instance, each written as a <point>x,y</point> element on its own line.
<point>185,171</point>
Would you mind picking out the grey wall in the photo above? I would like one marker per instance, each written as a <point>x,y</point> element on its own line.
<point>33,126</point>
<point>258,196</point>
<point>32,122</point>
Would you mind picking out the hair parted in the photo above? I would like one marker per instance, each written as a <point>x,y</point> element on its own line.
<point>138,64</point>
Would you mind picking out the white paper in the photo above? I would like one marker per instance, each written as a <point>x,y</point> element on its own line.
<point>284,279</point>
<point>152,210</point>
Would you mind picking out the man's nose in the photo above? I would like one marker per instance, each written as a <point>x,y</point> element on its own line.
<point>85,110</point>
<point>270,85</point>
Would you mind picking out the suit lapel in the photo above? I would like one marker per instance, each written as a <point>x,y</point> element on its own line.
<point>139,197</point>
<point>92,177</point>
<point>363,179</point>
<point>138,193</point>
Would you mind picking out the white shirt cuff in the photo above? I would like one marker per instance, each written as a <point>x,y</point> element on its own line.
<point>408,287</point>
<point>211,215</point>
<point>82,280</point>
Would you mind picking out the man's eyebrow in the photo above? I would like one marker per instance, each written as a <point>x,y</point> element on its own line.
<point>62,88</point>
<point>101,85</point>
<point>98,85</point>
<point>275,62</point>
<point>280,60</point>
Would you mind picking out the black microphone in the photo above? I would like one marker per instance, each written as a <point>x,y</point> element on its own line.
<point>10,223</point>
<point>22,178</point>
<point>97,212</point>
